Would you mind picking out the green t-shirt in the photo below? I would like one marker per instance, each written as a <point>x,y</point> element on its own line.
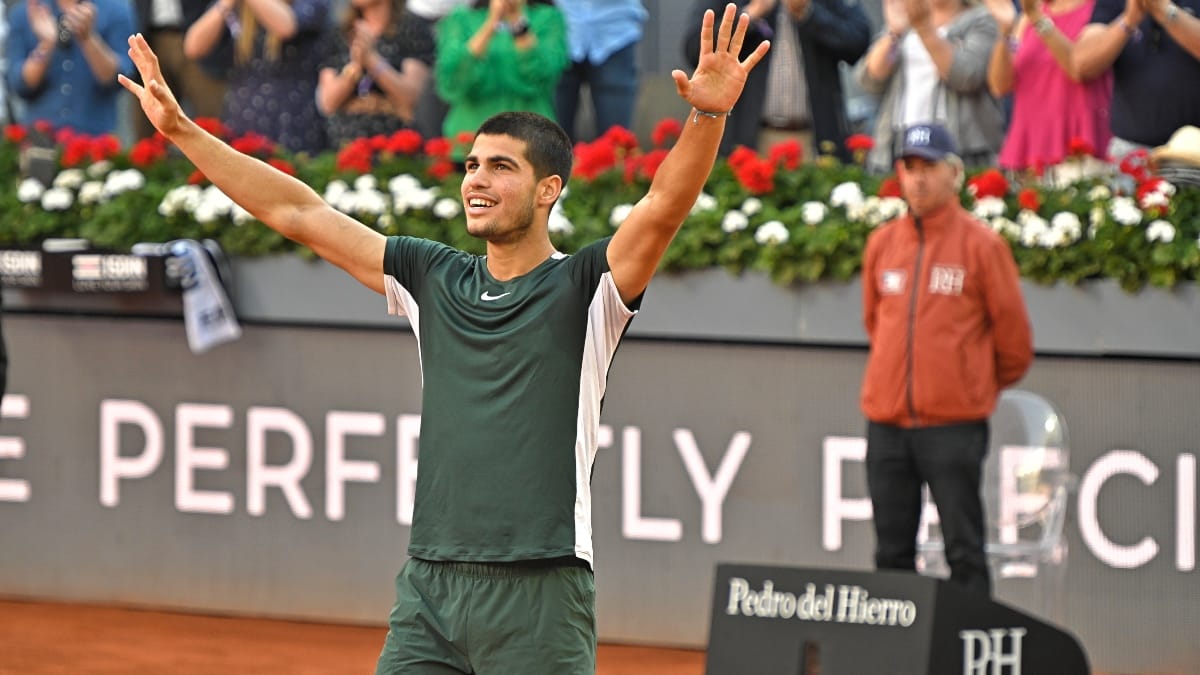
<point>513,377</point>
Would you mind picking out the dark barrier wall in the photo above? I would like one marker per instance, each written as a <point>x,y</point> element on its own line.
<point>272,476</point>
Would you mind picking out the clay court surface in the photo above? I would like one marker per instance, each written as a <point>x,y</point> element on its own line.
<point>46,638</point>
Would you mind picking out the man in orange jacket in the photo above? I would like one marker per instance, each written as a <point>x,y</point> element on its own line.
<point>948,330</point>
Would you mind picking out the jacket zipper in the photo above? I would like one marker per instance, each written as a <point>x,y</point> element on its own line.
<point>912,319</point>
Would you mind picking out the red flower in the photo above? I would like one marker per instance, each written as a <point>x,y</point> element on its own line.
<point>43,126</point>
<point>404,142</point>
<point>1137,165</point>
<point>104,147</point>
<point>437,147</point>
<point>378,142</point>
<point>1029,199</point>
<point>15,133</point>
<point>356,156</point>
<point>788,152</point>
<point>251,143</point>
<point>592,159</point>
<point>64,136</point>
<point>990,183</point>
<point>648,163</point>
<point>146,152</point>
<point>666,131</point>
<point>1153,197</point>
<point>741,155</point>
<point>620,137</point>
<point>282,165</point>
<point>213,126</point>
<point>76,150</point>
<point>465,137</point>
<point>1080,147</point>
<point>441,168</point>
<point>856,143</point>
<point>890,187</point>
<point>197,178</point>
<point>757,176</point>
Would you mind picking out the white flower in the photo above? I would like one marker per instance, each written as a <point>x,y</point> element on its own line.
<point>421,199</point>
<point>57,199</point>
<point>183,198</point>
<point>847,195</point>
<point>1068,225</point>
<point>1006,227</point>
<point>30,190</point>
<point>365,182</point>
<point>704,202</point>
<point>1033,228</point>
<point>92,192</point>
<point>813,212</point>
<point>239,215</point>
<point>1099,193</point>
<point>1155,198</point>
<point>988,207</point>
<point>123,181</point>
<point>1124,211</point>
<point>771,233</point>
<point>403,183</point>
<point>370,202</point>
<point>891,207</point>
<point>69,178</point>
<point>1159,230</point>
<point>559,223</point>
<point>335,190</point>
<point>619,213</point>
<point>752,206</point>
<point>734,221</point>
<point>447,208</point>
<point>100,169</point>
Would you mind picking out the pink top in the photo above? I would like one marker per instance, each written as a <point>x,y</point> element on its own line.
<point>1049,110</point>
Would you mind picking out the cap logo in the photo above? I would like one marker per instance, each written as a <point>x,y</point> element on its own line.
<point>917,136</point>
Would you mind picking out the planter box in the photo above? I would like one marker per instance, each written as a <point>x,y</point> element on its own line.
<point>1095,318</point>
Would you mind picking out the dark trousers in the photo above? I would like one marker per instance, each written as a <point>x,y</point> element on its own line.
<point>949,459</point>
<point>612,85</point>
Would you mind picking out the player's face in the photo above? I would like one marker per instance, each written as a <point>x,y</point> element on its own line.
<point>927,186</point>
<point>498,189</point>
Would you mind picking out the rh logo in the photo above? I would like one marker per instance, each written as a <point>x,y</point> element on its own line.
<point>984,652</point>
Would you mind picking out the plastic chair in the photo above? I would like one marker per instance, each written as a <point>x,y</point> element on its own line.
<point>1026,488</point>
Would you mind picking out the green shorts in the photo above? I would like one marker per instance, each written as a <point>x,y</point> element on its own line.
<point>491,619</point>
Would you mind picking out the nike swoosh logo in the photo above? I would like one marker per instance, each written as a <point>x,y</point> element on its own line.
<point>488,296</point>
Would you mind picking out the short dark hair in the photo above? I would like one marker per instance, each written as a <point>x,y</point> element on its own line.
<point>547,146</point>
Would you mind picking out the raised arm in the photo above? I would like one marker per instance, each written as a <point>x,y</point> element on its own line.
<point>280,201</point>
<point>641,240</point>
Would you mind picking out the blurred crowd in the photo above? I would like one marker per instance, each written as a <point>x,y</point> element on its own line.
<point>1025,85</point>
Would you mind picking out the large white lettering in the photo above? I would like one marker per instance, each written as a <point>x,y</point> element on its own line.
<point>1111,464</point>
<point>113,466</point>
<point>633,524</point>
<point>712,490</point>
<point>408,437</point>
<point>190,457</point>
<point>338,469</point>
<point>13,407</point>
<point>836,451</point>
<point>261,421</point>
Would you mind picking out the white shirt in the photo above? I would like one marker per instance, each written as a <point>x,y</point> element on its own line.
<point>433,9</point>
<point>920,82</point>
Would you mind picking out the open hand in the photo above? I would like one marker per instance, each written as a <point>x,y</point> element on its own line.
<point>156,98</point>
<point>720,76</point>
<point>41,20</point>
<point>1004,13</point>
<point>920,13</point>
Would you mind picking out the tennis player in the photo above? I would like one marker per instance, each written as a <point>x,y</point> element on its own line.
<point>515,347</point>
